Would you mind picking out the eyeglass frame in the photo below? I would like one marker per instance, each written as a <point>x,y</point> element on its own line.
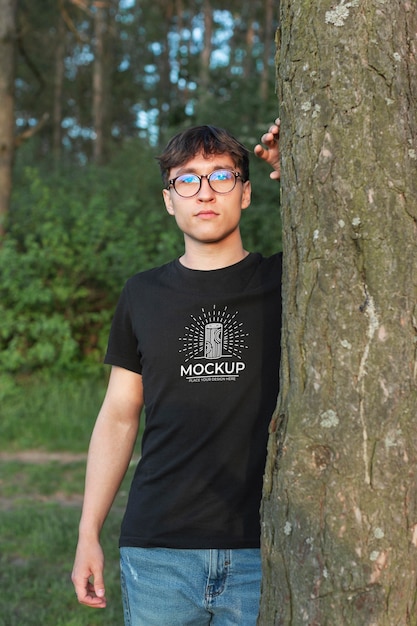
<point>171,183</point>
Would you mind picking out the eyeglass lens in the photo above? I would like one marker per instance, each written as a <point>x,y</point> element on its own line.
<point>221,181</point>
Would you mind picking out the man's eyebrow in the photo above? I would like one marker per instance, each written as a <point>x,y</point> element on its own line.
<point>194,170</point>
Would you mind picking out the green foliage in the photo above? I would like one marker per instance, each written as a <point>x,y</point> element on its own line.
<point>73,239</point>
<point>261,222</point>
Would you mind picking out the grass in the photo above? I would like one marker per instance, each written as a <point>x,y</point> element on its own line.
<point>35,570</point>
<point>40,505</point>
<point>49,414</point>
<point>43,479</point>
<point>40,509</point>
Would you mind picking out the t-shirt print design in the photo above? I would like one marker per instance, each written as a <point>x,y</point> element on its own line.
<point>213,344</point>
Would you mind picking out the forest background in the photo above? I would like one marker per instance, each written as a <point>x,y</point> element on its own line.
<point>100,87</point>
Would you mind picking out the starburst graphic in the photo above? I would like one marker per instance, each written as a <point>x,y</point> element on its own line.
<point>214,334</point>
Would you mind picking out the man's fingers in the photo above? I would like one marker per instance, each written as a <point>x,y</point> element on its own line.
<point>268,149</point>
<point>91,594</point>
<point>276,126</point>
<point>271,137</point>
<point>260,151</point>
<point>99,588</point>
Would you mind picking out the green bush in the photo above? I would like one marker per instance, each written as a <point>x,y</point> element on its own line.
<point>72,241</point>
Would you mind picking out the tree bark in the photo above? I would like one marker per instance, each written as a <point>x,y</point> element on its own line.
<point>250,16</point>
<point>339,513</point>
<point>268,42</point>
<point>100,27</point>
<point>207,47</point>
<point>7,122</point>
<point>58,87</point>
<point>165,88</point>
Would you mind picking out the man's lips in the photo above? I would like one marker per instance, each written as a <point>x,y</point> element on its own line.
<point>206,214</point>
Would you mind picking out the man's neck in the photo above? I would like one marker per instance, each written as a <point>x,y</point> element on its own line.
<point>212,257</point>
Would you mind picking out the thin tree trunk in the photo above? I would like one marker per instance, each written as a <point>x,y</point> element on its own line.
<point>268,41</point>
<point>207,47</point>
<point>340,494</point>
<point>7,122</point>
<point>100,25</point>
<point>58,89</point>
<point>250,17</point>
<point>166,88</point>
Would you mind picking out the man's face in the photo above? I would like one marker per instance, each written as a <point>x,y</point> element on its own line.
<point>208,217</point>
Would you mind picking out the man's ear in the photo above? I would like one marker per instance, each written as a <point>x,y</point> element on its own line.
<point>246,195</point>
<point>168,202</point>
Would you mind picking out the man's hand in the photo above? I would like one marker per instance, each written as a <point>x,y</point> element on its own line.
<point>87,575</point>
<point>270,153</point>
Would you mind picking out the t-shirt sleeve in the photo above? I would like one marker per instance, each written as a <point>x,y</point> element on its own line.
<point>122,347</point>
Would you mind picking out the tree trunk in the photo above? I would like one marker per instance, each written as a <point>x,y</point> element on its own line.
<point>250,36</point>
<point>7,122</point>
<point>340,493</point>
<point>58,88</point>
<point>100,27</point>
<point>207,48</point>
<point>165,88</point>
<point>268,42</point>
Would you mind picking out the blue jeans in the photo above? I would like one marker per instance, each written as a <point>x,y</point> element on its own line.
<point>166,587</point>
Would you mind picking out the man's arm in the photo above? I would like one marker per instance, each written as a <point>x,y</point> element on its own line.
<point>109,454</point>
<point>270,153</point>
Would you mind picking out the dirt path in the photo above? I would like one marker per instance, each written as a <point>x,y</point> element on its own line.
<point>39,456</point>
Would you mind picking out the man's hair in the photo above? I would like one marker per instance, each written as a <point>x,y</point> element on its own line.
<point>205,140</point>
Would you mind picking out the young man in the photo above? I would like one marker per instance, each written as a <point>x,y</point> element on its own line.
<point>197,343</point>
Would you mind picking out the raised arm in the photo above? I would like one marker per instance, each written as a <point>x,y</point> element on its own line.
<point>109,454</point>
<point>269,151</point>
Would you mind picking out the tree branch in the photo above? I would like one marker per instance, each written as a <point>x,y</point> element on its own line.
<point>29,132</point>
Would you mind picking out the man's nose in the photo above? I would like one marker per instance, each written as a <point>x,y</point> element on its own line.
<point>205,189</point>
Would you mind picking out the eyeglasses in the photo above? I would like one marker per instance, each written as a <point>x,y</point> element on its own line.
<point>220,181</point>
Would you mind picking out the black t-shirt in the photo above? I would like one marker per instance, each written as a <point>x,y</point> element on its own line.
<point>207,344</point>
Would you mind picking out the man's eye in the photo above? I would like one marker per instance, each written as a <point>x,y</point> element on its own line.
<point>221,175</point>
<point>187,179</point>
